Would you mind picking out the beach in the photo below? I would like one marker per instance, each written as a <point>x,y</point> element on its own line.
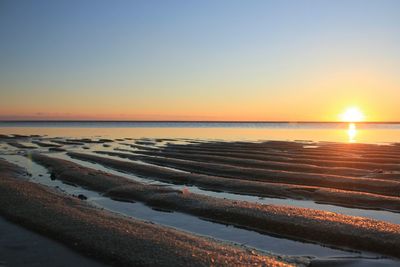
<point>217,202</point>
<point>299,203</point>
<point>113,239</point>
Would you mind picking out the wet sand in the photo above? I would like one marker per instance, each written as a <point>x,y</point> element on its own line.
<point>307,224</point>
<point>360,176</point>
<point>20,247</point>
<point>245,186</point>
<point>114,239</point>
<point>361,184</point>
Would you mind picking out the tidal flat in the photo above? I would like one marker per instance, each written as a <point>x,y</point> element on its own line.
<point>205,202</point>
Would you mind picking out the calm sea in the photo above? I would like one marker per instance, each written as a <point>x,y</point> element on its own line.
<point>254,131</point>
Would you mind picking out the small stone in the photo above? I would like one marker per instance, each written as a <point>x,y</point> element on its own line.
<point>82,197</point>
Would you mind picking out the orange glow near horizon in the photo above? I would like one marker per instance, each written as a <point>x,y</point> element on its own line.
<point>267,111</point>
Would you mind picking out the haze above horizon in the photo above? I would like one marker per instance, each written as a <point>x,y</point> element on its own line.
<point>199,61</point>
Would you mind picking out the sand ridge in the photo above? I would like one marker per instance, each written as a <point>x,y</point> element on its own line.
<point>114,239</point>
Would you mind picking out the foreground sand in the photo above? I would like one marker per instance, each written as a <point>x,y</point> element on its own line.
<point>114,239</point>
<point>314,225</point>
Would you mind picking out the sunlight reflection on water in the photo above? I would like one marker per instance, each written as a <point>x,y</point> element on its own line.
<point>334,132</point>
<point>352,132</point>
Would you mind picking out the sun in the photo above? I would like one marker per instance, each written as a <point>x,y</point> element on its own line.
<point>352,114</point>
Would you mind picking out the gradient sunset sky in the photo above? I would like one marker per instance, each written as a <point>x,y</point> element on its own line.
<point>199,60</point>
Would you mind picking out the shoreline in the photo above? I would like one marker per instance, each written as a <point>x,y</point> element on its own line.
<point>198,121</point>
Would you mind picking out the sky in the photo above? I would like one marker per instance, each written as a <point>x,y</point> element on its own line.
<point>298,60</point>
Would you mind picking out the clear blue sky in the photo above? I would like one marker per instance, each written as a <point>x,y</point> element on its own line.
<point>245,60</point>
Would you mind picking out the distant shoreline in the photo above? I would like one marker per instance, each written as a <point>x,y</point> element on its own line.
<point>177,121</point>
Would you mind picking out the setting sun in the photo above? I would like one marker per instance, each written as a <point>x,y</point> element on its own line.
<point>352,114</point>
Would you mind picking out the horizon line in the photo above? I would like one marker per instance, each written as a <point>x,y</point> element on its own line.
<point>196,121</point>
